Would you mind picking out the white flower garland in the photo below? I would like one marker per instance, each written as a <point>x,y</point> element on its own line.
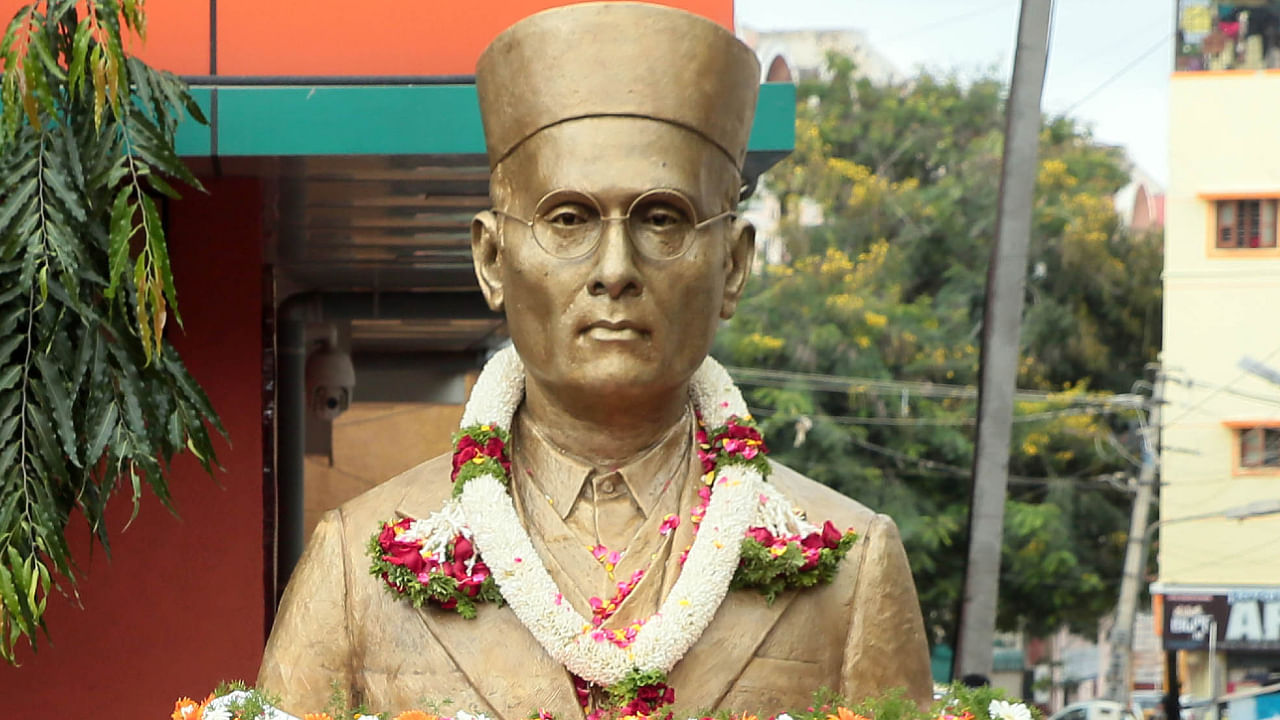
<point>485,512</point>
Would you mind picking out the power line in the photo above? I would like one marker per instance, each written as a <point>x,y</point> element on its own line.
<point>1003,4</point>
<point>846,383</point>
<point>1187,411</point>
<point>1118,74</point>
<point>957,471</point>
<point>1191,383</point>
<point>940,421</point>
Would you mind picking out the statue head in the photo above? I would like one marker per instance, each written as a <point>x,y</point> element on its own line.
<point>616,134</point>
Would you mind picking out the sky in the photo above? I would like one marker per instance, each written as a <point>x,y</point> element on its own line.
<point>1109,60</point>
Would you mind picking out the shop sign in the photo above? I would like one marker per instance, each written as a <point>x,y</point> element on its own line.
<point>1246,619</point>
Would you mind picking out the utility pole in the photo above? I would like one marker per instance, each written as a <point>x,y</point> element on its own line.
<point>1119,685</point>
<point>1001,329</point>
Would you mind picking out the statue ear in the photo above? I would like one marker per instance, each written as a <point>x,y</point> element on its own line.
<point>486,255</point>
<point>737,264</point>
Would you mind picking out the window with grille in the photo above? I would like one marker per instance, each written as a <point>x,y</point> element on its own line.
<point>1259,447</point>
<point>1246,224</point>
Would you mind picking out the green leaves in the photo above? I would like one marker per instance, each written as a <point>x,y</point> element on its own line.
<point>857,340</point>
<point>89,389</point>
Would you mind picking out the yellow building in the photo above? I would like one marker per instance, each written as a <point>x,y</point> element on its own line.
<point>1219,578</point>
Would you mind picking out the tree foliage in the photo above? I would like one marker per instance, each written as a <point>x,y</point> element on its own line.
<point>861,344</point>
<point>91,394</point>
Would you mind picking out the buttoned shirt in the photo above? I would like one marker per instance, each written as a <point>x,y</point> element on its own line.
<point>572,508</point>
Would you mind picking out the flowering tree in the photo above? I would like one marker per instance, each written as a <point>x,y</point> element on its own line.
<point>90,392</point>
<point>889,289</point>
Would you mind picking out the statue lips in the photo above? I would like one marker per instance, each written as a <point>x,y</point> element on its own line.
<point>615,331</point>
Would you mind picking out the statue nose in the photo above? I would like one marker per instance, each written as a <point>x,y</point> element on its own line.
<point>614,272</point>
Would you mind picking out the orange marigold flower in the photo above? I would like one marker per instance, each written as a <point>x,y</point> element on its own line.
<point>186,709</point>
<point>844,713</point>
<point>317,716</point>
<point>416,715</point>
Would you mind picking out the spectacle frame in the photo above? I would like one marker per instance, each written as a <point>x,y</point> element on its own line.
<point>568,224</point>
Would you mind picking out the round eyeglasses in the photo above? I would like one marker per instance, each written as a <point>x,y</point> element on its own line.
<point>568,224</point>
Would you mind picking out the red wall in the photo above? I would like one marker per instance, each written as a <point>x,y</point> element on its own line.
<point>180,604</point>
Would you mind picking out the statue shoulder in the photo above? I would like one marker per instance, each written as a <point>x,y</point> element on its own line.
<point>821,503</point>
<point>416,492</point>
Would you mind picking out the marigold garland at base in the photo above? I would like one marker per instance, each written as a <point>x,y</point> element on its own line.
<point>237,702</point>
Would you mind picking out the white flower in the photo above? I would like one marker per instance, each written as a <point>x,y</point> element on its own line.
<point>464,715</point>
<point>1004,710</point>
<point>212,713</point>
<point>783,716</point>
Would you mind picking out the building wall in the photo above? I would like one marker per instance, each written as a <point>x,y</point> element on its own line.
<point>331,37</point>
<point>179,604</point>
<point>372,443</point>
<point>1219,307</point>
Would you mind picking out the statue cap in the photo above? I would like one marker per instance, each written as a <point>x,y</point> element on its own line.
<point>617,59</point>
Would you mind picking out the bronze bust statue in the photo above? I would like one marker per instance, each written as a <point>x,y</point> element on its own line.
<point>616,135</point>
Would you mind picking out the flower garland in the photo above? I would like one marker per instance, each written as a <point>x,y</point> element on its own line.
<point>960,703</point>
<point>746,535</point>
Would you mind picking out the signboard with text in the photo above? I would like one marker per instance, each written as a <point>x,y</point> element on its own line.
<point>1244,619</point>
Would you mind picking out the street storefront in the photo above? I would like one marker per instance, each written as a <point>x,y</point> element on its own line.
<point>1227,638</point>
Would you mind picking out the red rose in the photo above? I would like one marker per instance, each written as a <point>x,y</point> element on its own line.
<point>387,535</point>
<point>463,456</point>
<point>582,689</point>
<point>480,571</point>
<point>813,541</point>
<point>469,586</point>
<point>493,448</point>
<point>760,535</point>
<point>462,549</point>
<point>830,535</point>
<point>406,555</point>
<point>449,604</point>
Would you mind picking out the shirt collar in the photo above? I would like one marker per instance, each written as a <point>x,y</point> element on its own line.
<point>559,475</point>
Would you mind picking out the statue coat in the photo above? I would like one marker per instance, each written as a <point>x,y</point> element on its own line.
<point>862,634</point>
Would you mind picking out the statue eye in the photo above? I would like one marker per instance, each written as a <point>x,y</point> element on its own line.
<point>568,216</point>
<point>660,216</point>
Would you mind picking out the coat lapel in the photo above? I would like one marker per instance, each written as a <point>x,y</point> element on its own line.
<point>503,662</point>
<point>711,667</point>
<point>495,652</point>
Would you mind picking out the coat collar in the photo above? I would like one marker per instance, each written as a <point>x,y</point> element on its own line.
<point>559,475</point>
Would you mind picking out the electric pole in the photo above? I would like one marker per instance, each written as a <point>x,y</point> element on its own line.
<point>1119,684</point>
<point>1001,329</point>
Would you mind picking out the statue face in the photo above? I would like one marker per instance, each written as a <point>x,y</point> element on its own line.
<point>613,320</point>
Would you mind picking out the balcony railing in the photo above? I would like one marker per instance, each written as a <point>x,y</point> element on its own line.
<point>1220,35</point>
